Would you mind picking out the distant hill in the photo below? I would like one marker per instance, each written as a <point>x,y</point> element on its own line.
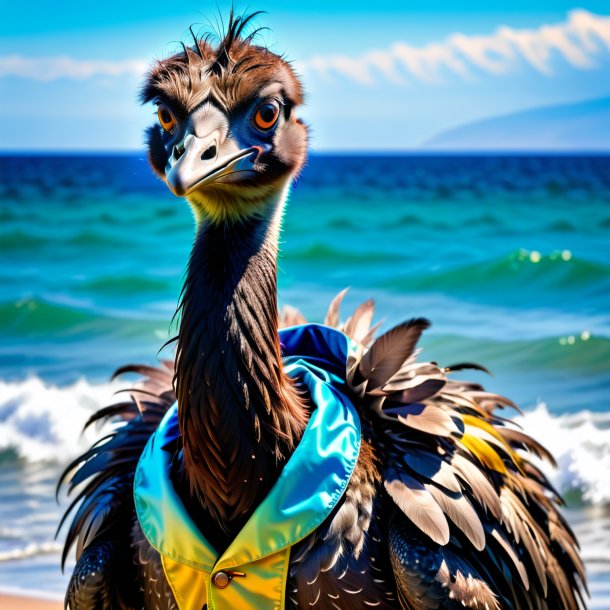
<point>580,126</point>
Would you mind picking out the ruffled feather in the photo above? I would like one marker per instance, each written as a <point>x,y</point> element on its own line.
<point>462,475</point>
<point>104,474</point>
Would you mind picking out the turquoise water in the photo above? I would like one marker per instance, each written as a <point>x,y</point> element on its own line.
<point>508,256</point>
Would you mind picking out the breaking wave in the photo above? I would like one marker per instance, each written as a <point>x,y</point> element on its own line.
<point>42,422</point>
<point>580,443</point>
<point>33,549</point>
<point>554,272</point>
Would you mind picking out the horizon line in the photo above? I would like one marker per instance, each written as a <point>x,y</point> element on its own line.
<point>423,152</point>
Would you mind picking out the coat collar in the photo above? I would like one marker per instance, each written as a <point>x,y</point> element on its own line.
<point>309,487</point>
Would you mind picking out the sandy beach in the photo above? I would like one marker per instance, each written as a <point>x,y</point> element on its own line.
<point>17,602</point>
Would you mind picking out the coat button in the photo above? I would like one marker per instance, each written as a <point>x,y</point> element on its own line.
<point>221,580</point>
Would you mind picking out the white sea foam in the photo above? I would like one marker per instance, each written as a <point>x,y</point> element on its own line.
<point>33,549</point>
<point>42,422</point>
<point>580,443</point>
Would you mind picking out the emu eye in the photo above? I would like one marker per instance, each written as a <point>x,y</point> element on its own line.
<point>166,118</point>
<point>266,116</point>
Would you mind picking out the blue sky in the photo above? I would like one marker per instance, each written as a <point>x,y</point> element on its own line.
<point>388,78</point>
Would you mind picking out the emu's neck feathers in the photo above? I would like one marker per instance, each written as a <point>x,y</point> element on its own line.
<point>240,416</point>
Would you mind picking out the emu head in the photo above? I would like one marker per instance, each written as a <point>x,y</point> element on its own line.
<point>227,137</point>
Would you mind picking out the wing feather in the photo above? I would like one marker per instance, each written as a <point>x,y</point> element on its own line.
<point>332,315</point>
<point>432,467</point>
<point>483,452</point>
<point>461,512</point>
<point>423,390</point>
<point>432,420</point>
<point>358,326</point>
<point>508,549</point>
<point>388,353</point>
<point>520,439</point>
<point>480,486</point>
<point>418,504</point>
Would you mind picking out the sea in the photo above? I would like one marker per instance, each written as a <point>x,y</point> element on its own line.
<point>507,255</point>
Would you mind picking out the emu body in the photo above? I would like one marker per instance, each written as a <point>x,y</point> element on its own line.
<point>445,509</point>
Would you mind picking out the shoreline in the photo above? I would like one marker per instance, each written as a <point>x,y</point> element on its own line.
<point>18,599</point>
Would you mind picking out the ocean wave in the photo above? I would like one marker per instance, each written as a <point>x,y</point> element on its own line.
<point>559,270</point>
<point>580,443</point>
<point>125,285</point>
<point>18,241</point>
<point>581,353</point>
<point>26,240</point>
<point>40,422</point>
<point>33,549</point>
<point>94,239</point>
<point>6,533</point>
<point>33,316</point>
<point>321,252</point>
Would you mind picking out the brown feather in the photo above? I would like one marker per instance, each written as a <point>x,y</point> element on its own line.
<point>291,316</point>
<point>418,504</point>
<point>358,326</point>
<point>516,437</point>
<point>390,351</point>
<point>495,533</point>
<point>460,511</point>
<point>525,531</point>
<point>479,485</point>
<point>560,532</point>
<point>332,315</point>
<point>433,467</point>
<point>419,392</point>
<point>432,420</point>
<point>408,372</point>
<point>469,591</point>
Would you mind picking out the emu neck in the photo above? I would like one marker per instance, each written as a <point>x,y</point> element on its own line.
<point>240,415</point>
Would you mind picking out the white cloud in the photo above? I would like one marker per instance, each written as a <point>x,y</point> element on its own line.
<point>52,68</point>
<point>426,63</point>
<point>581,41</point>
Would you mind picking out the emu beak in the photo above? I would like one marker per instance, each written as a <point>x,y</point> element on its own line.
<point>197,161</point>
